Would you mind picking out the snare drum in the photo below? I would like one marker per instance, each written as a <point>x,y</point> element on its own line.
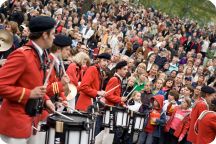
<point>64,131</point>
<point>122,117</point>
<point>139,121</point>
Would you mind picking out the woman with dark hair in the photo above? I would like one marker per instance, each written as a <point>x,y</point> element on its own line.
<point>168,84</point>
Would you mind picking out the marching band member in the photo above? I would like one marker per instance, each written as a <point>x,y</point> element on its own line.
<point>115,96</point>
<point>76,70</point>
<point>206,125</point>
<point>58,80</point>
<point>21,80</point>
<point>92,82</point>
<point>207,94</point>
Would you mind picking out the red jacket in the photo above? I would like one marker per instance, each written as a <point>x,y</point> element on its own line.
<point>206,128</point>
<point>199,107</point>
<point>90,84</point>
<point>55,86</point>
<point>20,74</point>
<point>182,128</point>
<point>149,127</point>
<point>114,96</point>
<point>74,73</point>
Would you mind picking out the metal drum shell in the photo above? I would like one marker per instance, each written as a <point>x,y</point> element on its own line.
<point>139,115</point>
<point>76,125</point>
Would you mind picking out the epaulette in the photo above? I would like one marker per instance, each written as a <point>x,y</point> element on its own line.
<point>23,48</point>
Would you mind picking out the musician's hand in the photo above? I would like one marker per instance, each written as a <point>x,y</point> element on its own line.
<point>101,93</point>
<point>38,92</point>
<point>65,103</point>
<point>50,106</point>
<point>65,79</point>
<point>123,99</point>
<point>125,106</point>
<point>2,62</point>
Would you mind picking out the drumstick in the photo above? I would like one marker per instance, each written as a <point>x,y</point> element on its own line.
<point>131,92</point>
<point>73,109</point>
<point>112,89</point>
<point>56,112</point>
<point>49,73</point>
<point>62,65</point>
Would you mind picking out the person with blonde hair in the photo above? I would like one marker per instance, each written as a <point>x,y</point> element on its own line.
<point>12,27</point>
<point>76,69</point>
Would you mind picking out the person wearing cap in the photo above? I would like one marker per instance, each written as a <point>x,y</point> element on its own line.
<point>114,86</point>
<point>21,80</point>
<point>58,80</point>
<point>92,83</point>
<point>114,97</point>
<point>207,94</point>
<point>205,126</point>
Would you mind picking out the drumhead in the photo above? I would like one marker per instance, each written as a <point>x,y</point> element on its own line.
<point>81,122</point>
<point>73,92</point>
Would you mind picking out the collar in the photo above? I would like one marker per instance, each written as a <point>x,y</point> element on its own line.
<point>38,48</point>
<point>116,74</point>
<point>55,58</point>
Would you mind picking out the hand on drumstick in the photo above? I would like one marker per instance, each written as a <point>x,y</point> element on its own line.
<point>38,92</point>
<point>50,106</point>
<point>2,62</point>
<point>63,102</point>
<point>101,93</point>
<point>123,99</point>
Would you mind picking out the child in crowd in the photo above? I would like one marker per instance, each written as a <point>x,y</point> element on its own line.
<point>140,82</point>
<point>170,103</point>
<point>134,102</point>
<point>157,86</point>
<point>177,126</point>
<point>153,130</point>
<point>168,84</point>
<point>187,92</point>
<point>130,85</point>
<point>145,98</point>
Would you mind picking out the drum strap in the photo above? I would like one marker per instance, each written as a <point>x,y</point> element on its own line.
<point>120,84</point>
<point>112,120</point>
<point>131,123</point>
<point>100,76</point>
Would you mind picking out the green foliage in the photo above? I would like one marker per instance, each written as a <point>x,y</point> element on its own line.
<point>203,11</point>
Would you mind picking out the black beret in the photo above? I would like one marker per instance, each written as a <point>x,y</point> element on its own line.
<point>62,40</point>
<point>208,89</point>
<point>120,65</point>
<point>41,24</point>
<point>104,56</point>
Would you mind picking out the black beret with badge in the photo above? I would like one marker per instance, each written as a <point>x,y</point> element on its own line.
<point>104,56</point>
<point>41,24</point>
<point>62,40</point>
<point>208,89</point>
<point>120,65</point>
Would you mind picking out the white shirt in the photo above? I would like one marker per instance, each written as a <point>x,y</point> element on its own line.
<point>55,58</point>
<point>38,48</point>
<point>135,107</point>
